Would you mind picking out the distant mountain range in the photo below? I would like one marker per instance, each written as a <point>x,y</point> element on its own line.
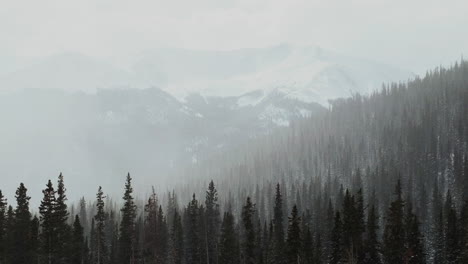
<point>308,73</point>
<point>88,117</point>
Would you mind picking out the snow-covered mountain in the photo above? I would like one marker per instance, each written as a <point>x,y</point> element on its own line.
<point>87,116</point>
<point>308,74</point>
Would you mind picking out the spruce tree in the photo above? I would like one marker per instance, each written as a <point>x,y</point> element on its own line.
<point>98,235</point>
<point>203,248</point>
<point>35,240</point>
<point>192,246</point>
<point>394,236</point>
<point>349,227</point>
<point>176,249</point>
<point>8,244</point>
<point>62,229</point>
<point>249,244</point>
<point>78,252</point>
<point>83,214</point>
<point>3,227</point>
<point>22,251</point>
<point>127,225</point>
<point>212,222</point>
<point>278,231</point>
<point>294,240</point>
<point>228,242</point>
<point>48,225</point>
<point>372,245</point>
<point>151,228</point>
<point>162,245</point>
<point>336,246</point>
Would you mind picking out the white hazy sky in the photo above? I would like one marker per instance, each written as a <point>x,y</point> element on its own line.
<point>414,34</point>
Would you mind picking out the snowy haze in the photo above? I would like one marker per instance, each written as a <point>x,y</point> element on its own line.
<point>412,34</point>
<point>209,75</point>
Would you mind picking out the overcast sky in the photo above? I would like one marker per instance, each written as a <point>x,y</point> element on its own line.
<point>414,34</point>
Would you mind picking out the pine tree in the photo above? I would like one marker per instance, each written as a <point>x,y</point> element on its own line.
<point>83,214</point>
<point>336,247</point>
<point>62,229</point>
<point>203,249</point>
<point>114,239</point>
<point>99,221</point>
<point>9,246</point>
<point>192,245</point>
<point>278,231</point>
<point>294,240</point>
<point>212,223</point>
<point>78,252</point>
<point>151,228</point>
<point>249,245</point>
<point>35,240</point>
<point>360,224</point>
<point>22,251</point>
<point>372,245</point>
<point>162,244</point>
<point>127,225</point>
<point>3,227</point>
<point>48,225</point>
<point>228,242</point>
<point>176,250</point>
<point>394,236</point>
<point>349,227</point>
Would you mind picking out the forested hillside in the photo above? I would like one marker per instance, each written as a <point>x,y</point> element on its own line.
<point>375,179</point>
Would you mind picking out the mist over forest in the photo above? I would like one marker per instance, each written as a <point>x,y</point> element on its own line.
<point>233,132</point>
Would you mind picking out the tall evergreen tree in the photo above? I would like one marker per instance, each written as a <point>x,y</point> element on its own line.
<point>78,252</point>
<point>83,214</point>
<point>192,245</point>
<point>394,235</point>
<point>48,225</point>
<point>151,229</point>
<point>127,225</point>
<point>3,227</point>
<point>249,244</point>
<point>62,229</point>
<point>176,249</point>
<point>22,251</point>
<point>212,223</point>
<point>9,246</point>
<point>278,231</point>
<point>336,246</point>
<point>162,244</point>
<point>98,236</point>
<point>35,240</point>
<point>228,242</point>
<point>294,239</point>
<point>372,245</point>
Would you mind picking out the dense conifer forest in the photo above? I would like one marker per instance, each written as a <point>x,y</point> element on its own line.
<point>381,178</point>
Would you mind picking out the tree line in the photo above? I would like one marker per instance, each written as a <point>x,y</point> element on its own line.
<point>415,131</point>
<point>353,230</point>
